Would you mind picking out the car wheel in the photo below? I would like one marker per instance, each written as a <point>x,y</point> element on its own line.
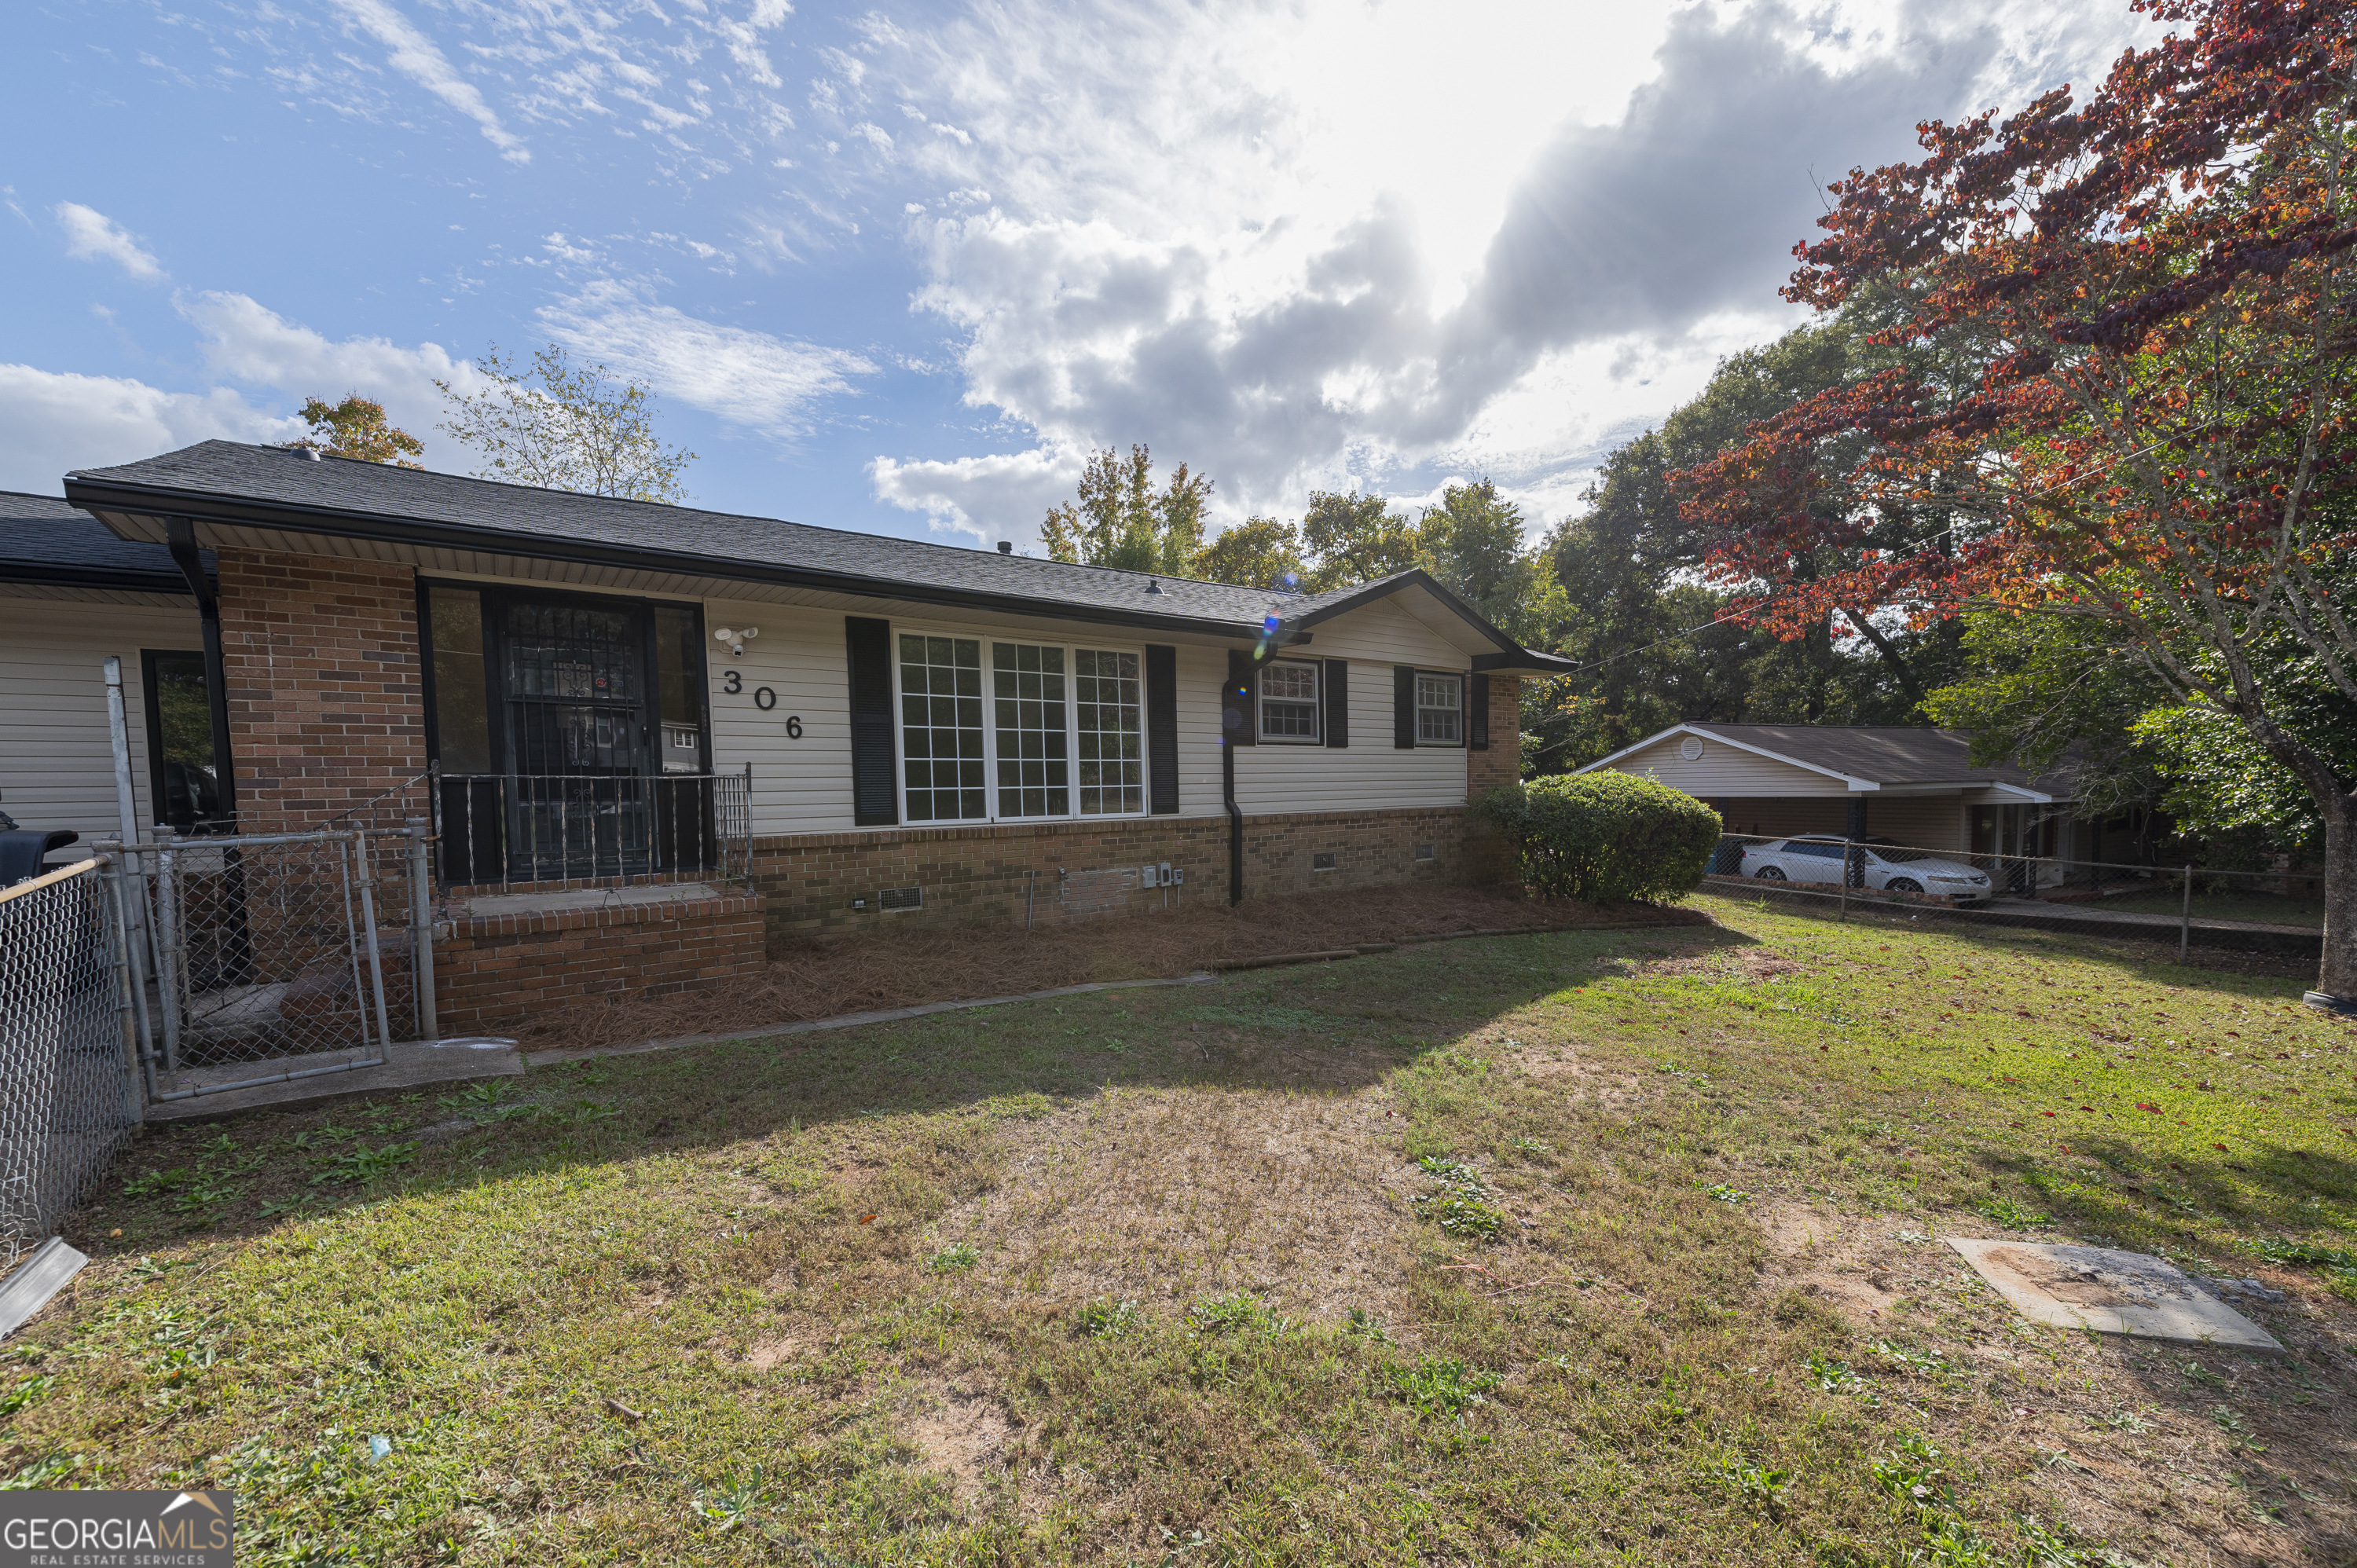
<point>1770,874</point>
<point>1904,885</point>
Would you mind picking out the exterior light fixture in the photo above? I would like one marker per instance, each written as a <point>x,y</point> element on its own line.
<point>735,639</point>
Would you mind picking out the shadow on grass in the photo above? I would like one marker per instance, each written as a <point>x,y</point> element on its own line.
<point>1311,1029</point>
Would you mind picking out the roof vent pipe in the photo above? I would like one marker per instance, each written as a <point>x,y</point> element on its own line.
<point>1152,586</point>
<point>1006,547</point>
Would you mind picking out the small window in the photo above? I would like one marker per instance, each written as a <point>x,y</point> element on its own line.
<point>1439,709</point>
<point>1322,860</point>
<point>1288,704</point>
<point>1424,851</point>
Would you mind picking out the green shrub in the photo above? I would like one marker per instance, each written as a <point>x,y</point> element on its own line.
<point>1606,838</point>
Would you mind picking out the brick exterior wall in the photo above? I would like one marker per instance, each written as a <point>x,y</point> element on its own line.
<point>496,968</point>
<point>326,702</point>
<point>1503,762</point>
<point>1073,871</point>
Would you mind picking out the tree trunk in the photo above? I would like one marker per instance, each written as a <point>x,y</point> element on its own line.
<point>2337,976</point>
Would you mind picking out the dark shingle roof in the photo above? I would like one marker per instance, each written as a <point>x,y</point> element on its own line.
<point>43,539</point>
<point>1886,754</point>
<point>267,484</point>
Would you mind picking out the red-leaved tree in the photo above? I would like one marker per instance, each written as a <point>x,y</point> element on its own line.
<point>2153,299</point>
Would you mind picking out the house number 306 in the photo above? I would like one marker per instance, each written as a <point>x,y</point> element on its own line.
<point>764,698</point>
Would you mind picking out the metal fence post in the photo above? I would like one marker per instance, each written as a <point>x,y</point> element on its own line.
<point>421,929</point>
<point>121,888</point>
<point>170,961</point>
<point>368,935</point>
<point>2185,918</point>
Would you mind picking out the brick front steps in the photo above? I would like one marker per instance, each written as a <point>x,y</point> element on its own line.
<point>501,958</point>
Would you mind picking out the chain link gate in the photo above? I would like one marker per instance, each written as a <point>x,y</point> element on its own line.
<point>263,958</point>
<point>68,1103</point>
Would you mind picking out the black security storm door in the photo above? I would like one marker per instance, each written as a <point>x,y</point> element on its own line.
<point>570,732</point>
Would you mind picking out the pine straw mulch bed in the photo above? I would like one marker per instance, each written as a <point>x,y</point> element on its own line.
<point>827,977</point>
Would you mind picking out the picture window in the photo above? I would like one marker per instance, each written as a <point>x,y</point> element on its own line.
<point>995,731</point>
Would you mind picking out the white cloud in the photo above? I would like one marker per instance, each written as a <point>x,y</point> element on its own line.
<point>1002,496</point>
<point>51,423</point>
<point>414,54</point>
<point>92,235</point>
<point>247,342</point>
<point>743,377</point>
<point>1307,244</point>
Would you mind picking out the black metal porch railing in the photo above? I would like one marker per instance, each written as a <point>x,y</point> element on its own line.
<point>502,828</point>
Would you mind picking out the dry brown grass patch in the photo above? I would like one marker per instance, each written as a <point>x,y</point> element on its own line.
<point>825,978</point>
<point>962,1436</point>
<point>1153,1196</point>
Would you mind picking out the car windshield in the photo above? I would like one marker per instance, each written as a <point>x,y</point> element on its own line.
<point>1898,854</point>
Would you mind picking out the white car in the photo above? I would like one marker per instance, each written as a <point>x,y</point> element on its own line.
<point>1884,866</point>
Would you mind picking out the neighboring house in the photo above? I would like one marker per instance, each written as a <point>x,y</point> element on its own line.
<point>1915,787</point>
<point>902,730</point>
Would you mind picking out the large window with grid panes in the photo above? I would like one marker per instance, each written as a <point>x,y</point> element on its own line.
<point>997,729</point>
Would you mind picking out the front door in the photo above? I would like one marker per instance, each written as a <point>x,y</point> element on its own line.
<point>580,736</point>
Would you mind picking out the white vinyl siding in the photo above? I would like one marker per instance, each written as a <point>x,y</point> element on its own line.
<point>804,786</point>
<point>801,785</point>
<point>1723,769</point>
<point>56,765</point>
<point>1370,774</point>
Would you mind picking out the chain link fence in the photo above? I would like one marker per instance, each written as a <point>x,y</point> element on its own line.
<point>268,957</point>
<point>2276,911</point>
<point>67,1099</point>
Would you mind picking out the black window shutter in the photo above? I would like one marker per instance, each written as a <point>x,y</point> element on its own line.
<point>1477,712</point>
<point>1404,706</point>
<point>874,802</point>
<point>1334,692</point>
<point>1239,705</point>
<point>1161,730</point>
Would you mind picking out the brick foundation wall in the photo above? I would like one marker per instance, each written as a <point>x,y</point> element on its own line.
<point>326,704</point>
<point>494,970</point>
<point>1074,871</point>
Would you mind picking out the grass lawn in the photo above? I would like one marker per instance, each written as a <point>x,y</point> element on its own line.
<point>1591,1246</point>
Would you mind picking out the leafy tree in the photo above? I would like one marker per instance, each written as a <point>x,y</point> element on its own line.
<point>1353,539</point>
<point>2162,285</point>
<point>1660,642</point>
<point>566,427</point>
<point>2036,689</point>
<point>1122,520</point>
<point>1472,543</point>
<point>1258,552</point>
<point>355,428</point>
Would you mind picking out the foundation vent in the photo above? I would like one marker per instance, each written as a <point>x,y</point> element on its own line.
<point>893,898</point>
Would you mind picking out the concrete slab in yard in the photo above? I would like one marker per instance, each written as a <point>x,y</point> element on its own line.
<point>299,1083</point>
<point>2109,1291</point>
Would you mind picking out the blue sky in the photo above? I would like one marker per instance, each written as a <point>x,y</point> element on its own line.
<point>901,269</point>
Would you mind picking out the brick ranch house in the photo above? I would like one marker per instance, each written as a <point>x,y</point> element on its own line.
<point>734,728</point>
